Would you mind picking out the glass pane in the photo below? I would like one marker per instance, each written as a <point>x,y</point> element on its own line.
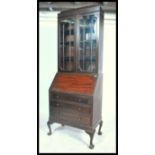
<point>88,44</point>
<point>67,44</point>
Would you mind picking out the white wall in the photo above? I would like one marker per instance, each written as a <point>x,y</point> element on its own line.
<point>48,68</point>
<point>47,57</point>
<point>109,66</point>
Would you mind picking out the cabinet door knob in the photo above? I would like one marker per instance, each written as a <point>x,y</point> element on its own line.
<point>57,104</point>
<point>79,108</point>
<point>79,119</point>
<point>57,96</point>
<point>79,100</point>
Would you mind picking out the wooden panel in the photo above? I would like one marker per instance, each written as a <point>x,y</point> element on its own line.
<point>87,9</point>
<point>76,119</point>
<point>76,108</point>
<point>74,83</point>
<point>97,101</point>
<point>62,97</point>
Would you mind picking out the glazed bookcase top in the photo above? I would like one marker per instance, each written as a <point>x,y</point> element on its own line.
<point>80,40</point>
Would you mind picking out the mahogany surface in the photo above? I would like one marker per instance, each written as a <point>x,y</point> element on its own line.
<point>74,83</point>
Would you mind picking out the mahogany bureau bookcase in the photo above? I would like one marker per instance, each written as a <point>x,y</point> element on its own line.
<point>75,95</point>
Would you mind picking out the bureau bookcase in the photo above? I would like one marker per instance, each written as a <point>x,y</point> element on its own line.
<point>75,94</point>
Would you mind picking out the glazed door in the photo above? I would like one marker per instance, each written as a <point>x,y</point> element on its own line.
<point>67,44</point>
<point>87,51</point>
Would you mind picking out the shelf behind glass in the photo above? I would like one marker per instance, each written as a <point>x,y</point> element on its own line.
<point>87,58</point>
<point>94,41</point>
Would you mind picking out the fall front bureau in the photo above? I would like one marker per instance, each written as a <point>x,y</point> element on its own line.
<point>75,100</point>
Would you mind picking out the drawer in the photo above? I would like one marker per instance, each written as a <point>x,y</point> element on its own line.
<point>55,96</point>
<point>70,98</point>
<point>84,120</point>
<point>70,113</point>
<point>76,108</point>
<point>76,119</point>
<point>81,100</point>
<point>76,114</point>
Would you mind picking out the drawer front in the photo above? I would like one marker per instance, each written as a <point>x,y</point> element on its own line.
<point>70,98</point>
<point>70,108</point>
<point>76,114</point>
<point>55,96</point>
<point>76,119</point>
<point>76,108</point>
<point>73,113</point>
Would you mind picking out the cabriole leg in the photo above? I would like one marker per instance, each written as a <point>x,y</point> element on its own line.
<point>91,134</point>
<point>49,127</point>
<point>99,131</point>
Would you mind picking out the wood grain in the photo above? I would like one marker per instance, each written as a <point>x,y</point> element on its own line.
<point>74,83</point>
